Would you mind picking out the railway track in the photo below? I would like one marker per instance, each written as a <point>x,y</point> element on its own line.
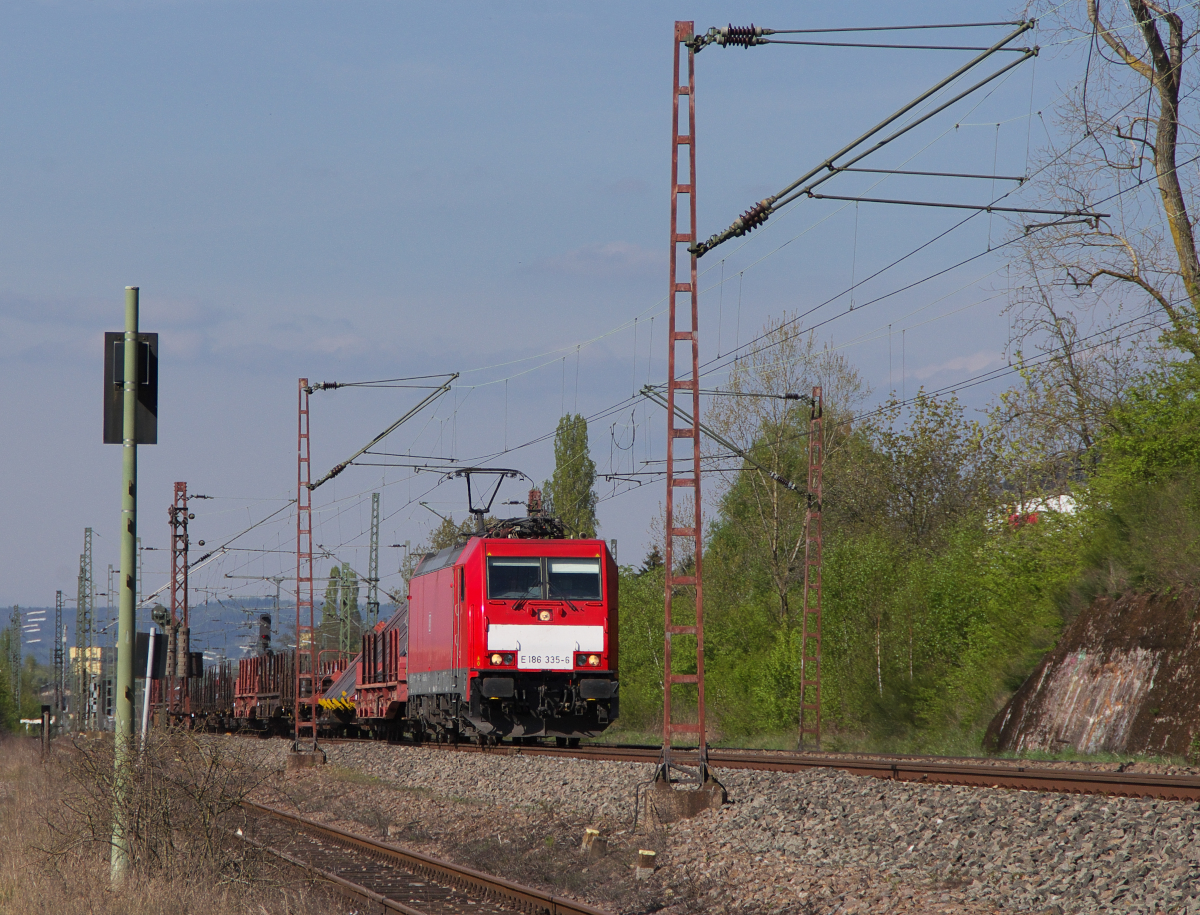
<point>922,769</point>
<point>975,773</point>
<point>386,878</point>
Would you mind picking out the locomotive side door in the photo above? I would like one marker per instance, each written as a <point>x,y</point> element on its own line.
<point>459,583</point>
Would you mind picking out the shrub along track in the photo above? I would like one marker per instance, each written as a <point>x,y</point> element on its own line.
<point>387,878</point>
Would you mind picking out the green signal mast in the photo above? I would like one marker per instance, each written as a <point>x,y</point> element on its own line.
<point>82,703</point>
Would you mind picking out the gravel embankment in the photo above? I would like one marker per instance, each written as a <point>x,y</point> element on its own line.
<point>1147,766</point>
<point>817,842</point>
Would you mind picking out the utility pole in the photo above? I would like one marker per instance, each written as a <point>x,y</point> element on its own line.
<point>123,724</point>
<point>59,649</point>
<point>373,566</point>
<point>810,613</point>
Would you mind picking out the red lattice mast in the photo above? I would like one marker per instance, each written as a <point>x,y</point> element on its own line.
<point>305,716</point>
<point>683,641</point>
<point>810,616</point>
<point>177,690</point>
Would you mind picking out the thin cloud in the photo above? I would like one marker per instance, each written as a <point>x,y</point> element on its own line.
<point>976,362</point>
<point>614,260</point>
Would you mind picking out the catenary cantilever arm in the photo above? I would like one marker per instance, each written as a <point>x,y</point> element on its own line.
<point>649,393</point>
<point>338,468</point>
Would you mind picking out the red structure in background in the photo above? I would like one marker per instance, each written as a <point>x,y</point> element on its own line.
<point>305,733</point>
<point>177,686</point>
<point>683,527</point>
<point>810,614</point>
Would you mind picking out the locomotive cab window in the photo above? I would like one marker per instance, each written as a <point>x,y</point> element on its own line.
<point>514,577</point>
<point>574,579</point>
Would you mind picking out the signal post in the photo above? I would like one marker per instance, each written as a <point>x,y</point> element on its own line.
<point>130,418</point>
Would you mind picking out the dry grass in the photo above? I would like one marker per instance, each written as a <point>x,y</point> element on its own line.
<point>57,822</point>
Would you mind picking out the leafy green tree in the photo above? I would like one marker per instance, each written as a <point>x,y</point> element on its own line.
<point>1154,435</point>
<point>1143,499</point>
<point>349,618</point>
<point>330,609</point>
<point>570,490</point>
<point>341,621</point>
<point>653,560</point>
<point>766,518</point>
<point>920,470</point>
<point>641,648</point>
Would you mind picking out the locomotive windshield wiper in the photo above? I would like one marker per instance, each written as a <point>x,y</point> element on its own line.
<point>552,589</point>
<point>521,602</point>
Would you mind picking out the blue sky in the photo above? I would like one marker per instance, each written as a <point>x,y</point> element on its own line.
<point>371,190</point>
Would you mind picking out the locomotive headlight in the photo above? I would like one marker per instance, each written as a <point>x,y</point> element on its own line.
<point>508,658</point>
<point>545,615</point>
<point>497,660</point>
<point>593,660</point>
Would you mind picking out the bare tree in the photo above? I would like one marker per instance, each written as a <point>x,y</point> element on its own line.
<point>1043,428</point>
<point>1161,65</point>
<point>1091,296</point>
<point>758,419</point>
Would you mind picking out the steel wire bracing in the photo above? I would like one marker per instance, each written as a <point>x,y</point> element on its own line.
<point>804,185</point>
<point>683,554</point>
<point>305,731</point>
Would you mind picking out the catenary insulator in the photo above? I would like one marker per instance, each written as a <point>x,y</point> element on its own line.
<point>739,36</point>
<point>752,218</point>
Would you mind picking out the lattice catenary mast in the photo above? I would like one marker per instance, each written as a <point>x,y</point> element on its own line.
<point>305,733</point>
<point>373,566</point>
<point>810,614</point>
<point>683,524</point>
<point>83,637</point>
<point>60,639</point>
<point>177,694</point>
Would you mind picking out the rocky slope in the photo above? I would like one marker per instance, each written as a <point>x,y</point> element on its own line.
<point>1122,679</point>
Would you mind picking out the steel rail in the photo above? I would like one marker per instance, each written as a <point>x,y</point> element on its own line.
<point>920,769</point>
<point>967,772</point>
<point>525,898</point>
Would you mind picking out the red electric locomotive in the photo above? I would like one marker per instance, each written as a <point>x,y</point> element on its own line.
<point>512,633</point>
<point>514,638</point>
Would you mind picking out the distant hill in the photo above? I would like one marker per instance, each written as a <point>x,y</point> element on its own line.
<point>219,628</point>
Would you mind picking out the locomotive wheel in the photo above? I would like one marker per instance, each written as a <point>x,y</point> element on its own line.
<point>572,742</point>
<point>560,741</point>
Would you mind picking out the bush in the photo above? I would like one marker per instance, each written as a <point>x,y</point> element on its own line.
<point>57,817</point>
